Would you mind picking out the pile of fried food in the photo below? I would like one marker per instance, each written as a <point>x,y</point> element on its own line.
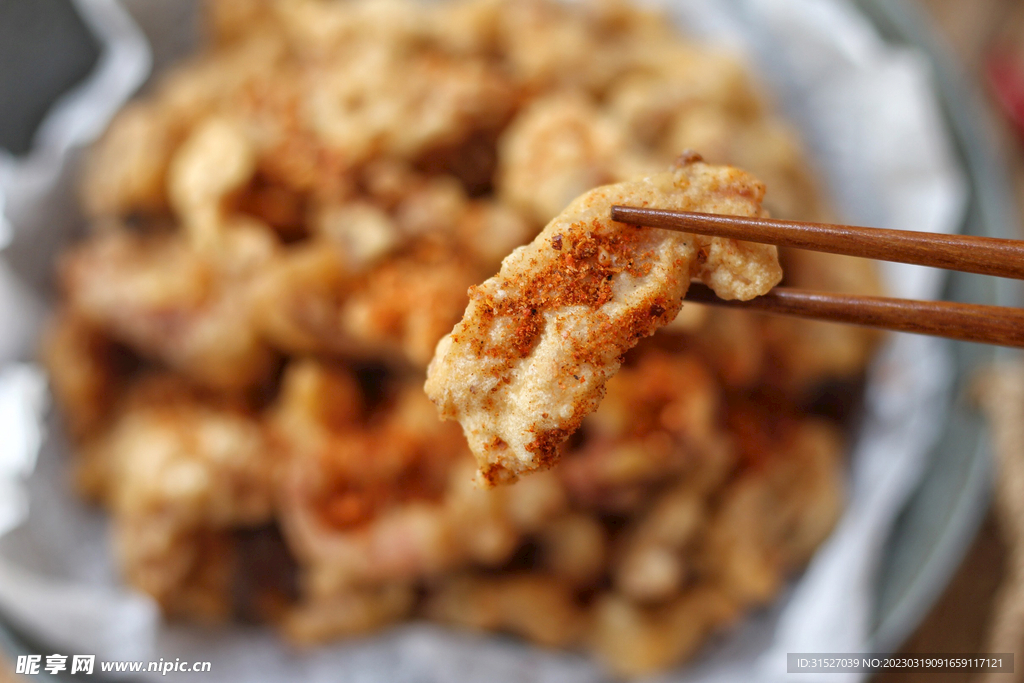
<point>284,227</point>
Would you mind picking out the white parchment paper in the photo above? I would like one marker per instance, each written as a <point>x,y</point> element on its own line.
<point>871,122</point>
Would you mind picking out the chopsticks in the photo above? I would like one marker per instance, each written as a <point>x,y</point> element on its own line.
<point>965,322</point>
<point>984,255</point>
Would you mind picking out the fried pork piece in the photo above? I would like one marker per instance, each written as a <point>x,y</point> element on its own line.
<point>658,421</point>
<point>406,206</point>
<point>83,367</point>
<point>766,146</point>
<point>675,81</point>
<point>782,504</point>
<point>405,103</point>
<point>127,170</point>
<point>539,340</point>
<point>540,608</point>
<point>635,640</point>
<point>555,46</point>
<point>408,303</point>
<point>181,472</point>
<point>350,613</point>
<point>561,146</point>
<point>308,300</point>
<point>387,498</point>
<point>734,343</point>
<point>229,20</point>
<point>696,559</point>
<point>384,277</point>
<point>651,565</point>
<point>216,160</point>
<point>168,302</point>
<point>297,297</point>
<point>574,548</point>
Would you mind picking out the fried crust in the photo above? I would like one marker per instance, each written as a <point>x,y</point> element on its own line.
<point>531,356</point>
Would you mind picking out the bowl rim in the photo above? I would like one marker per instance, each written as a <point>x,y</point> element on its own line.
<point>992,212</point>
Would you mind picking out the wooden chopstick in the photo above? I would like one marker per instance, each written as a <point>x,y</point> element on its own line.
<point>965,322</point>
<point>984,255</point>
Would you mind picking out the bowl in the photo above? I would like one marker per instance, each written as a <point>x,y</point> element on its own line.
<point>939,521</point>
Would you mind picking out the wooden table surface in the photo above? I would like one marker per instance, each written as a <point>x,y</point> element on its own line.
<point>958,622</point>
